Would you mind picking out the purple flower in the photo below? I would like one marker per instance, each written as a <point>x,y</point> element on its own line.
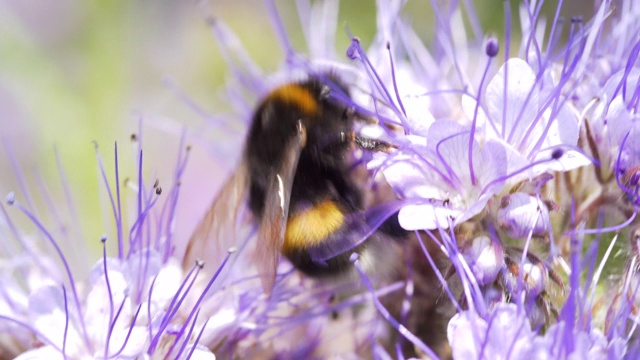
<point>435,171</point>
<point>507,334</point>
<point>529,112</point>
<point>504,334</point>
<point>613,127</point>
<point>122,307</point>
<point>514,126</point>
<point>588,345</point>
<point>141,303</point>
<point>498,164</point>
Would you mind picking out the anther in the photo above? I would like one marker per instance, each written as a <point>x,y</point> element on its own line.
<point>11,198</point>
<point>492,47</point>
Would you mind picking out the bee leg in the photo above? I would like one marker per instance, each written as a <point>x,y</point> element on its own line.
<point>373,144</point>
<point>333,301</point>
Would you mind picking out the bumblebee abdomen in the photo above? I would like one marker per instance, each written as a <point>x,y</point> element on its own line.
<point>336,266</point>
<point>318,229</point>
<point>310,227</point>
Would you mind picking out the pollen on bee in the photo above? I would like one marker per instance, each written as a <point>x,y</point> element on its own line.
<point>312,226</point>
<point>296,95</point>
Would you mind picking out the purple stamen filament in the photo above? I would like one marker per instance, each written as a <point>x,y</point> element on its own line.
<point>386,315</point>
<point>395,84</point>
<point>174,305</point>
<point>126,340</point>
<point>507,45</point>
<point>197,340</point>
<point>53,242</point>
<point>106,279</point>
<point>66,323</point>
<point>474,122</point>
<point>119,212</point>
<point>186,338</point>
<point>111,199</point>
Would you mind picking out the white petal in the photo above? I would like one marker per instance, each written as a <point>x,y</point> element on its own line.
<point>200,353</point>
<point>482,120</point>
<point>521,99</point>
<point>570,160</point>
<point>408,173</point>
<point>426,217</point>
<point>491,163</point>
<point>221,318</point>
<point>514,163</point>
<point>450,141</point>
<point>135,345</point>
<point>564,129</point>
<point>41,353</point>
<point>411,180</point>
<point>48,316</point>
<point>99,302</point>
<point>416,104</point>
<point>13,299</point>
<point>167,283</point>
<point>474,207</point>
<point>466,332</point>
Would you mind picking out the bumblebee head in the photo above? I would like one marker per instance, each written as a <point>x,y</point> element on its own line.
<point>276,120</point>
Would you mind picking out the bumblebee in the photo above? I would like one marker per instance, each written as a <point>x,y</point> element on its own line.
<point>298,181</point>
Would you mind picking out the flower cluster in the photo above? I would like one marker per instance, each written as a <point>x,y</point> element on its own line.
<point>512,167</point>
<point>141,302</point>
<point>516,173</point>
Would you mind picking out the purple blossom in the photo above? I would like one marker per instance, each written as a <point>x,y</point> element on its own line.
<point>506,334</point>
<point>112,310</point>
<point>518,113</point>
<point>434,170</point>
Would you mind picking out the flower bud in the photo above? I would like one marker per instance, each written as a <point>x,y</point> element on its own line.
<point>485,258</point>
<point>520,213</point>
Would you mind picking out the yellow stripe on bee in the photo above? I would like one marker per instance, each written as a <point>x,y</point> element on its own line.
<point>296,95</point>
<point>310,227</point>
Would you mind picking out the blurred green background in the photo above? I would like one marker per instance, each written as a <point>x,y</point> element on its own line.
<point>76,71</point>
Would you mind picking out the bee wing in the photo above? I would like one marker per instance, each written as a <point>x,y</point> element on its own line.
<point>360,226</point>
<point>274,220</point>
<point>216,232</point>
